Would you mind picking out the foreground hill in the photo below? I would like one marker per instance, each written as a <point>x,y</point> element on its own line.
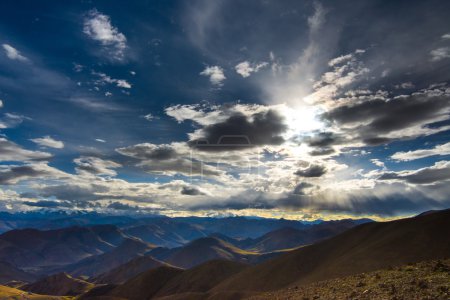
<point>168,281</point>
<point>98,264</point>
<point>60,284</point>
<point>202,278</point>
<point>129,270</point>
<point>16,294</point>
<point>425,280</point>
<point>364,248</point>
<point>145,285</point>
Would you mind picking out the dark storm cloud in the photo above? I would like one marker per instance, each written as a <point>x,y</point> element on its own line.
<point>13,174</point>
<point>300,188</point>
<point>372,119</point>
<point>322,139</point>
<point>311,171</point>
<point>191,191</point>
<point>428,175</point>
<point>72,192</point>
<point>48,204</point>
<point>264,128</point>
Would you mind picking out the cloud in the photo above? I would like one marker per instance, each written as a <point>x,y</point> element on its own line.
<point>439,172</point>
<point>12,174</point>
<point>149,151</point>
<point>165,160</point>
<point>302,187</point>
<point>245,68</point>
<point>104,79</point>
<point>47,141</point>
<point>99,28</point>
<point>377,120</point>
<point>148,117</point>
<point>440,53</point>
<point>446,36</point>
<point>96,166</point>
<point>48,204</point>
<point>215,74</point>
<point>10,120</point>
<point>10,151</point>
<point>13,54</point>
<point>311,171</point>
<point>443,149</point>
<point>100,140</point>
<point>191,191</point>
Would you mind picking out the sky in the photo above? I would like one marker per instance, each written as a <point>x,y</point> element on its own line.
<point>294,109</point>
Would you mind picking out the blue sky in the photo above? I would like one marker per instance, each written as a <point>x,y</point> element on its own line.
<point>345,107</point>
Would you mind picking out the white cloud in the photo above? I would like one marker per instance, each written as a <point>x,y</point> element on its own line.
<point>446,36</point>
<point>100,140</point>
<point>440,53</point>
<point>443,149</point>
<point>104,79</point>
<point>123,84</point>
<point>245,68</point>
<point>340,59</point>
<point>47,141</point>
<point>89,165</point>
<point>10,151</point>
<point>149,117</point>
<point>13,53</point>
<point>215,74</point>
<point>99,28</point>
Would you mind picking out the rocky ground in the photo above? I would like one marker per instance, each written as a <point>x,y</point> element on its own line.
<point>425,280</point>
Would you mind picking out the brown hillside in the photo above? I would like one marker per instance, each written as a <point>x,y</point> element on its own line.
<point>364,248</point>
<point>201,278</point>
<point>129,270</point>
<point>60,284</point>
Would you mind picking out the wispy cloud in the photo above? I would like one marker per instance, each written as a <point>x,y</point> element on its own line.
<point>13,53</point>
<point>49,142</point>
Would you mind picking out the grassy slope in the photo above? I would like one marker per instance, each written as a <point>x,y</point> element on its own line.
<point>15,294</point>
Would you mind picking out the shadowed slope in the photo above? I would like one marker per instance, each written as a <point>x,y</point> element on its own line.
<point>202,278</point>
<point>60,284</point>
<point>364,248</point>
<point>129,270</point>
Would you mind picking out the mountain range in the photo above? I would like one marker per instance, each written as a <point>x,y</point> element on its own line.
<point>119,262</point>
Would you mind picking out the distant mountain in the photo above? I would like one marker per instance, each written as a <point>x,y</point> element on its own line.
<point>202,250</point>
<point>364,248</point>
<point>287,237</point>
<point>128,270</point>
<point>8,273</point>
<point>47,220</point>
<point>35,248</point>
<point>98,264</point>
<point>166,233</point>
<point>60,284</point>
